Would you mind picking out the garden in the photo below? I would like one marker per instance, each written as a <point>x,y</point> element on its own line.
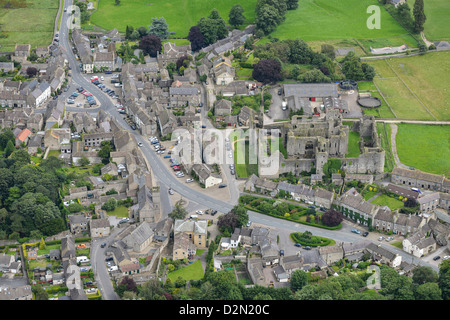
<point>308,239</point>
<point>285,210</point>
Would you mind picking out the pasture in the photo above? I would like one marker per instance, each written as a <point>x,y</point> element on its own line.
<point>27,21</point>
<point>425,147</point>
<point>436,25</point>
<point>180,15</point>
<point>416,87</point>
<point>316,20</point>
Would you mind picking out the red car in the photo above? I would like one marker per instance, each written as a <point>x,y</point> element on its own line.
<point>176,168</point>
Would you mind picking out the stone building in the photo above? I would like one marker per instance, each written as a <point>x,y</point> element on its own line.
<point>420,179</point>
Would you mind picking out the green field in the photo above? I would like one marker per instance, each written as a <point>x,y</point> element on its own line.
<point>416,87</point>
<point>425,147</point>
<point>29,21</point>
<point>181,15</point>
<point>384,131</point>
<point>339,19</point>
<point>436,25</point>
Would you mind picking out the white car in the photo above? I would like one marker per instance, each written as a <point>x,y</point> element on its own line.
<point>189,180</point>
<point>199,212</point>
<point>170,191</point>
<point>140,144</point>
<point>230,155</point>
<point>380,238</point>
<point>102,78</point>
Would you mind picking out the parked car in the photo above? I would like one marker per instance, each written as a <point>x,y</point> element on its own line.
<point>436,258</point>
<point>389,239</point>
<point>365,234</point>
<point>298,245</point>
<point>356,231</point>
<point>170,191</point>
<point>249,223</point>
<point>189,180</point>
<point>380,238</point>
<point>281,252</point>
<point>199,212</point>
<point>222,185</point>
<point>140,144</point>
<point>103,245</point>
<point>307,248</point>
<point>215,211</point>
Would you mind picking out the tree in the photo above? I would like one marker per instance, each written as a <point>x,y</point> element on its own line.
<point>213,28</point>
<point>40,293</point>
<point>428,291</point>
<point>31,72</point>
<point>332,218</point>
<point>84,161</point>
<point>410,203</point>
<point>127,284</point>
<point>328,50</point>
<point>196,38</point>
<point>179,212</point>
<point>300,53</point>
<point>444,279</point>
<point>267,19</point>
<point>182,61</point>
<point>292,4</point>
<point>228,222</point>
<point>159,28</point>
<point>299,279</point>
<point>241,212</point>
<point>110,204</point>
<point>105,152</point>
<point>129,30</point>
<point>423,275</point>
<point>267,71</point>
<point>117,2</point>
<point>419,16</point>
<point>313,76</point>
<point>352,67</point>
<point>143,31</point>
<point>236,16</point>
<point>9,149</point>
<point>151,45</point>
<point>42,244</point>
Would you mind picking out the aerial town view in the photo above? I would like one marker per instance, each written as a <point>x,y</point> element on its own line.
<point>192,150</point>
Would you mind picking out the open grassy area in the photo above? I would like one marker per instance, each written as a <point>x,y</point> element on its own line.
<point>242,156</point>
<point>385,200</point>
<point>120,212</point>
<point>28,21</point>
<point>425,147</point>
<point>384,131</point>
<point>339,19</point>
<point>416,87</point>
<point>181,15</point>
<point>353,145</point>
<point>193,271</point>
<point>436,25</point>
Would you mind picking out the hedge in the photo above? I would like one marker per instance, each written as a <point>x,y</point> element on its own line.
<point>325,241</point>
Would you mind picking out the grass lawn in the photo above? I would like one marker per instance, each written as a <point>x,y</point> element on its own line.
<point>27,22</point>
<point>54,153</point>
<point>384,131</point>
<point>337,19</point>
<point>244,168</point>
<point>436,25</point>
<point>48,248</point>
<point>120,212</point>
<point>370,194</point>
<point>425,147</point>
<point>422,88</point>
<point>180,15</point>
<point>278,146</point>
<point>385,200</point>
<point>193,271</point>
<point>353,146</point>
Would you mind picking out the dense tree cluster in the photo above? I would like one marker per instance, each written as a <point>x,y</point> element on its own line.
<point>354,69</point>
<point>29,195</point>
<point>267,71</point>
<point>270,13</point>
<point>222,285</point>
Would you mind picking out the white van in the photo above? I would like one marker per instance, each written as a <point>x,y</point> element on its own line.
<point>82,259</point>
<point>194,216</point>
<point>113,268</point>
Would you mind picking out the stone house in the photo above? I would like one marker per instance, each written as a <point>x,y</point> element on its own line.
<point>42,51</point>
<point>353,251</point>
<point>429,202</point>
<point>419,179</point>
<point>139,238</point>
<point>35,143</point>
<point>7,66</point>
<point>269,252</point>
<point>21,52</point>
<point>163,229</point>
<point>78,223</point>
<point>405,193</point>
<point>405,224</point>
<point>104,60</point>
<point>96,139</point>
<point>222,107</point>
<point>353,206</point>
<point>419,245</point>
<point>245,116</point>
<point>99,228</point>
<point>188,236</point>
<point>383,255</point>
<point>23,137</point>
<point>205,175</point>
<point>67,248</point>
<point>444,201</point>
<point>224,74</point>
<point>383,220</point>
<point>331,254</point>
